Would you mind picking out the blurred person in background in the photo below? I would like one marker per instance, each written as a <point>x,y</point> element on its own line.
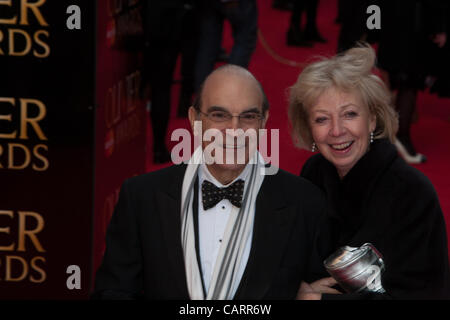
<point>170,28</point>
<point>286,5</point>
<point>352,16</point>
<point>310,34</point>
<point>440,68</point>
<point>410,31</point>
<point>243,18</point>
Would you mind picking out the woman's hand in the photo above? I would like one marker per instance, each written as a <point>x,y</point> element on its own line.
<point>314,290</point>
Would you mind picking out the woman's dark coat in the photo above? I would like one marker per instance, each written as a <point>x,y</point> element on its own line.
<point>384,201</point>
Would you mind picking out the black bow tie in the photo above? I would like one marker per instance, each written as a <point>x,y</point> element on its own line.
<point>212,195</point>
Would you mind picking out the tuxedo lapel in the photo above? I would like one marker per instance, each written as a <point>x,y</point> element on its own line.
<point>270,233</point>
<point>168,204</point>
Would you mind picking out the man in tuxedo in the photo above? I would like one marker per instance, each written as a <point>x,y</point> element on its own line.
<point>215,230</point>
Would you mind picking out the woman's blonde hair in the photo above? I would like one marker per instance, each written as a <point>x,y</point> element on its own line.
<point>348,72</point>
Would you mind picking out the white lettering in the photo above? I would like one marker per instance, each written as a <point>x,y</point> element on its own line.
<point>74,281</point>
<point>373,21</point>
<point>74,20</point>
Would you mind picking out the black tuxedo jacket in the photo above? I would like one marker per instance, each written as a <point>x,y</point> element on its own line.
<point>144,256</point>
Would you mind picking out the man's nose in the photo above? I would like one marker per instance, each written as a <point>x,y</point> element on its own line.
<point>234,132</point>
<point>235,123</point>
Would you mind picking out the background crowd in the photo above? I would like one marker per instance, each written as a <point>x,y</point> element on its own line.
<point>412,50</point>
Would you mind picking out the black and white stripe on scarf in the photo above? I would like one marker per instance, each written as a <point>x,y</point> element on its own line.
<point>225,279</point>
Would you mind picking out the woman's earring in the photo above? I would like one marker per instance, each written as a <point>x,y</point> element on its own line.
<point>371,137</point>
<point>313,149</point>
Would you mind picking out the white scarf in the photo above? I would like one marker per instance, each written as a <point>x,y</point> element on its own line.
<point>225,279</point>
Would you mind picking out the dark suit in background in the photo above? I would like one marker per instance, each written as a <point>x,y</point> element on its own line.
<point>170,29</point>
<point>353,17</point>
<point>243,18</point>
<point>407,53</point>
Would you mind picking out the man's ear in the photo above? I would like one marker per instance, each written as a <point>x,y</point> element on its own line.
<point>192,115</point>
<point>266,117</point>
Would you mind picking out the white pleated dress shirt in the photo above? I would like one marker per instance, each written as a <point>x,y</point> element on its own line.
<point>212,224</point>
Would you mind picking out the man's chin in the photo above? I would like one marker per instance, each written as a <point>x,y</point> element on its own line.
<point>228,166</point>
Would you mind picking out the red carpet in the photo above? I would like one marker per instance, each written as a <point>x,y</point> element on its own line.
<point>430,133</point>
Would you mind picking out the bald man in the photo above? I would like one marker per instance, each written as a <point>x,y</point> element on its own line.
<point>222,229</point>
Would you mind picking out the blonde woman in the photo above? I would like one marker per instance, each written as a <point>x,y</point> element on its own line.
<point>340,109</point>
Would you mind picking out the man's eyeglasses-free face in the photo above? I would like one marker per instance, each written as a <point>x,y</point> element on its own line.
<point>247,118</point>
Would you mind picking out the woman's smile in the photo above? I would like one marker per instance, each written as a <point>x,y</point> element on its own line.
<point>342,147</point>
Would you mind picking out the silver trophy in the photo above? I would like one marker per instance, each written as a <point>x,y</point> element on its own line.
<point>357,269</point>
